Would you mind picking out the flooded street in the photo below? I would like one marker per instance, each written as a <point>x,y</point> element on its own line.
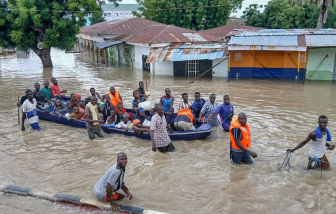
<point>198,177</point>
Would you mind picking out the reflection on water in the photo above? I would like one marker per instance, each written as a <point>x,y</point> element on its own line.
<point>198,178</point>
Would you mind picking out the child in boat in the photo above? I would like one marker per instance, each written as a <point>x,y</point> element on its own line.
<point>101,118</point>
<point>138,128</point>
<point>170,116</point>
<point>125,123</point>
<point>76,115</point>
<point>82,107</point>
<point>109,122</point>
<point>58,105</point>
<point>119,116</point>
<point>113,115</point>
<point>142,117</point>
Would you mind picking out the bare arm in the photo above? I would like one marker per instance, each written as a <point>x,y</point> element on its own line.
<point>172,102</point>
<point>241,147</point>
<point>311,136</point>
<point>160,101</point>
<point>109,193</point>
<point>211,116</point>
<point>153,142</point>
<point>120,96</point>
<point>39,108</point>
<point>200,116</point>
<point>22,122</point>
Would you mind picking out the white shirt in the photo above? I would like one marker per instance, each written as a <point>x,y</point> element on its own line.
<point>30,110</point>
<point>319,147</point>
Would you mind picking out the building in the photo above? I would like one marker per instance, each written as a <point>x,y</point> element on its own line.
<point>123,11</point>
<point>268,54</point>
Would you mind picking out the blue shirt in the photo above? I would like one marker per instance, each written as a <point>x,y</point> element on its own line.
<point>170,118</point>
<point>224,112</point>
<point>166,103</point>
<point>197,106</point>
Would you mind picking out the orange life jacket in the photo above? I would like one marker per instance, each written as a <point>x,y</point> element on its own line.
<point>245,130</point>
<point>186,112</point>
<point>114,100</point>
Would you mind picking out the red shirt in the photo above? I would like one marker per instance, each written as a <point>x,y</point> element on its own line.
<point>55,90</point>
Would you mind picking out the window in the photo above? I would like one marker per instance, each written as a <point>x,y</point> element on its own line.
<point>117,14</point>
<point>121,14</point>
<point>192,68</point>
<point>109,14</point>
<point>104,14</point>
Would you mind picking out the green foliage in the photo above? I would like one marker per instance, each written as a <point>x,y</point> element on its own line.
<point>45,23</point>
<point>5,40</point>
<point>97,17</point>
<point>197,15</point>
<point>285,14</point>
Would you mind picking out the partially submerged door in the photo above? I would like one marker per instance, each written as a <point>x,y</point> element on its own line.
<point>145,66</point>
<point>268,64</point>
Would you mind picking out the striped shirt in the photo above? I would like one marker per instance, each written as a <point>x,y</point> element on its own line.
<point>184,105</point>
<point>207,110</point>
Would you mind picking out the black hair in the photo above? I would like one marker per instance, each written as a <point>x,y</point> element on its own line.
<point>226,96</point>
<point>135,91</point>
<point>212,95</point>
<point>197,93</point>
<point>92,89</point>
<point>113,109</point>
<point>167,89</point>
<point>52,79</point>
<point>322,117</point>
<point>184,94</point>
<point>141,82</point>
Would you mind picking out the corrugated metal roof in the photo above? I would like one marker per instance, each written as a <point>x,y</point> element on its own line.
<point>264,40</point>
<point>188,52</point>
<point>222,32</point>
<point>107,44</point>
<point>320,40</point>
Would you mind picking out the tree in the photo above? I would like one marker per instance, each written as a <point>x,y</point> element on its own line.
<point>5,40</point>
<point>323,14</point>
<point>42,24</point>
<point>97,17</point>
<point>191,14</point>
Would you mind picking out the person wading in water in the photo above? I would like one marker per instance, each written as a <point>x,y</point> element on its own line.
<point>320,136</point>
<point>112,181</point>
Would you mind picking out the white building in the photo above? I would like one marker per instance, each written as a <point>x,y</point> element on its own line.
<point>123,11</point>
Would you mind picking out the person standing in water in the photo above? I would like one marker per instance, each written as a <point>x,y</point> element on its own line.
<point>167,101</point>
<point>240,139</point>
<point>226,113</point>
<point>112,181</point>
<point>207,110</point>
<point>320,137</point>
<point>91,117</point>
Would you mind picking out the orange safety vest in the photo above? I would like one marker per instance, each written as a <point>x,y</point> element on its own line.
<point>186,112</point>
<point>114,100</point>
<point>245,130</point>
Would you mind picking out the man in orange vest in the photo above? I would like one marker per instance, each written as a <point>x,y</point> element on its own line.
<point>114,96</point>
<point>240,138</point>
<point>184,121</point>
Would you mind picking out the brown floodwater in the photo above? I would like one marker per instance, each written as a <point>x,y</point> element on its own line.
<point>198,177</point>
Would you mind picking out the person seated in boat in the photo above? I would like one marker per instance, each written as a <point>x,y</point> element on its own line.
<point>141,88</point>
<point>142,117</point>
<point>113,115</point>
<point>78,98</point>
<point>109,122</point>
<point>138,98</point>
<point>38,95</point>
<point>108,187</point>
<point>76,115</point>
<point>125,123</point>
<point>114,96</point>
<point>184,121</point>
<point>82,107</point>
<point>55,89</point>
<point>107,105</point>
<point>170,116</point>
<point>67,110</point>
<point>138,128</point>
<point>46,91</point>
<point>198,104</point>
<point>58,105</point>
<point>120,116</point>
<point>73,99</point>
<point>186,104</point>
<point>151,113</point>
<point>121,107</point>
<point>101,119</point>
<point>167,101</point>
<point>96,95</point>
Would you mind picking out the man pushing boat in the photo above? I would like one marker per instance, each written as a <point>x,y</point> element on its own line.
<point>112,181</point>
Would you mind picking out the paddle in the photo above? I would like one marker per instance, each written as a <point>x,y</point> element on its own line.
<point>18,111</point>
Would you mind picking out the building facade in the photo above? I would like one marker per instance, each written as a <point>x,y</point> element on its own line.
<point>123,11</point>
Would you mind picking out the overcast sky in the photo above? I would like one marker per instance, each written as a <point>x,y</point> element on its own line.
<point>246,3</point>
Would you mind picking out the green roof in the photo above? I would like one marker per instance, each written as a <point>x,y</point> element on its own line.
<point>121,7</point>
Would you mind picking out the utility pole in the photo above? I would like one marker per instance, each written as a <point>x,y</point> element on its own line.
<point>323,14</point>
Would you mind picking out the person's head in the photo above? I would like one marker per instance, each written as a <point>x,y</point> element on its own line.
<point>136,122</point>
<point>168,92</point>
<point>212,98</point>
<point>46,84</point>
<point>93,101</point>
<point>136,94</point>
<point>37,86</point>
<point>323,122</point>
<point>58,102</point>
<point>159,110</point>
<point>185,96</point>
<point>76,110</point>
<point>141,112</point>
<point>69,104</point>
<point>130,116</point>
<point>122,159</point>
<point>93,91</point>
<point>30,95</point>
<point>120,104</point>
<point>113,112</point>
<point>54,81</point>
<point>82,105</point>
<point>109,120</point>
<point>78,97</point>
<point>171,111</point>
<point>119,112</point>
<point>107,98</point>
<point>112,90</point>
<point>226,99</point>
<point>242,118</point>
<point>141,84</point>
<point>126,118</point>
<point>26,91</point>
<point>151,111</point>
<point>197,96</point>
<point>101,108</point>
<point>100,116</point>
<point>72,96</point>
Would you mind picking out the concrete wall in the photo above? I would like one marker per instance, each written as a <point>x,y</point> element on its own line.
<point>315,71</point>
<point>138,52</point>
<point>110,15</point>
<point>220,70</point>
<point>162,68</point>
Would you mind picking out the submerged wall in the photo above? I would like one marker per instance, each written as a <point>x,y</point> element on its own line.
<point>320,66</point>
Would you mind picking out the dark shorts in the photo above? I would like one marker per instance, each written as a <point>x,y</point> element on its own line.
<point>241,157</point>
<point>169,148</point>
